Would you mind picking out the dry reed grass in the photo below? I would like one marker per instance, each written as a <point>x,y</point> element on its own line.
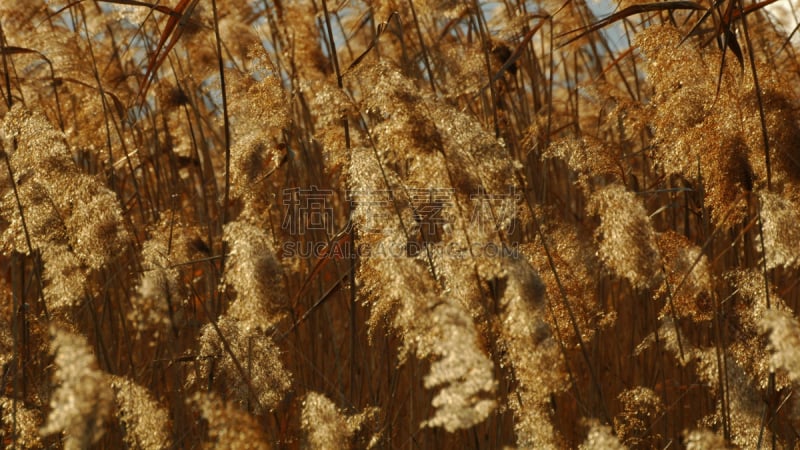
<point>398,224</point>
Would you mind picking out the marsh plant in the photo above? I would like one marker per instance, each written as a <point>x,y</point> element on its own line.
<point>399,224</point>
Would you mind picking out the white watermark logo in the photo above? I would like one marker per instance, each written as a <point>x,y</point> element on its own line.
<point>310,212</point>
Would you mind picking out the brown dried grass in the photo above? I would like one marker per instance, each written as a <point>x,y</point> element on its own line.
<point>540,228</point>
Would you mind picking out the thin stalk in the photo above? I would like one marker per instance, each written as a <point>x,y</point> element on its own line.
<point>334,56</point>
<point>227,130</point>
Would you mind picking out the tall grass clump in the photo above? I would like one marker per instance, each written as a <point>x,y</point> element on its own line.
<point>373,224</point>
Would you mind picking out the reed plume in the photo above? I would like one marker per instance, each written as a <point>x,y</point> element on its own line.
<point>783,337</point>
<point>328,427</point>
<point>601,437</point>
<point>229,427</point>
<point>704,439</point>
<point>243,362</point>
<point>72,218</point>
<point>83,400</point>
<point>146,423</point>
<point>627,239</point>
<point>21,424</point>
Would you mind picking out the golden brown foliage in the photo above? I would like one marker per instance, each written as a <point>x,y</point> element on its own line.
<point>398,224</point>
